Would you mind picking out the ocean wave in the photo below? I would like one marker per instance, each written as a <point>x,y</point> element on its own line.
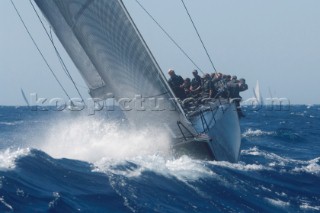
<point>240,166</point>
<point>282,133</point>
<point>56,197</point>
<point>288,134</point>
<point>184,168</point>
<point>308,207</point>
<point>9,156</point>
<point>8,206</point>
<point>255,151</point>
<point>267,155</point>
<point>312,167</point>
<point>277,202</point>
<point>255,133</point>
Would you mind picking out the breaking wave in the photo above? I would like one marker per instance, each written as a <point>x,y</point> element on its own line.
<point>255,133</point>
<point>289,165</point>
<point>9,156</point>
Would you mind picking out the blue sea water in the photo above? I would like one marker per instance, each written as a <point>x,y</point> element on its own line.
<point>68,162</point>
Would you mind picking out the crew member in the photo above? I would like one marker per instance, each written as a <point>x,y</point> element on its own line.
<point>196,83</point>
<point>186,86</point>
<point>207,86</point>
<point>176,83</point>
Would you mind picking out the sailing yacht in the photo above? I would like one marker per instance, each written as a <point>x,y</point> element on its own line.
<point>113,58</point>
<point>257,94</point>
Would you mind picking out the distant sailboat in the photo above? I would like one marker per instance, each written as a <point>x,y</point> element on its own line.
<point>112,57</point>
<point>257,94</point>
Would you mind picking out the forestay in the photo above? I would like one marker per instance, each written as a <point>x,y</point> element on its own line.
<point>112,57</point>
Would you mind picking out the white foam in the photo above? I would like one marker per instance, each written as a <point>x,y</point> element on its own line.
<point>271,156</point>
<point>265,189</point>
<point>56,197</point>
<point>6,204</point>
<point>9,156</point>
<point>240,166</point>
<point>252,151</point>
<point>184,168</point>
<point>91,140</point>
<point>282,194</point>
<point>278,202</point>
<point>254,133</point>
<point>312,167</point>
<point>307,206</point>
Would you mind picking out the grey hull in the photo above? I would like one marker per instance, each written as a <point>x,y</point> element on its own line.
<point>218,136</point>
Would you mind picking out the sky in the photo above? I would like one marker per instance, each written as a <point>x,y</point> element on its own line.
<point>275,42</point>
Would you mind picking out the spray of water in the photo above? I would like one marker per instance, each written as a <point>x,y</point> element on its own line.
<point>90,139</point>
<point>107,144</point>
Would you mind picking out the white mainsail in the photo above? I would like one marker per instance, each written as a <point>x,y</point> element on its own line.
<point>112,57</point>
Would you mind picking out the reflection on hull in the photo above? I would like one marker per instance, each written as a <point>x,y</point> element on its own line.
<point>218,134</point>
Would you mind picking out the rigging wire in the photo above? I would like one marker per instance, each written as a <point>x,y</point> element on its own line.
<point>64,67</point>
<point>36,45</point>
<point>169,36</point>
<point>194,26</point>
<point>62,62</point>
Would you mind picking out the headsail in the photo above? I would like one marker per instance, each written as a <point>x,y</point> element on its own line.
<point>112,57</point>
